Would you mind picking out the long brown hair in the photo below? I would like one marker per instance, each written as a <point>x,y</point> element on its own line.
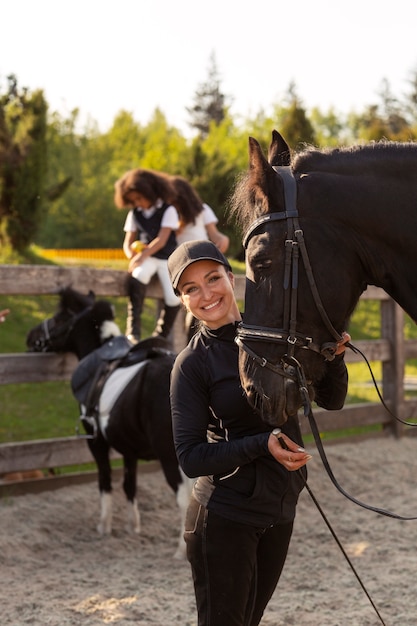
<point>152,185</point>
<point>175,190</point>
<point>187,201</point>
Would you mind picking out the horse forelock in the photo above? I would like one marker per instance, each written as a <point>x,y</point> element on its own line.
<point>256,193</point>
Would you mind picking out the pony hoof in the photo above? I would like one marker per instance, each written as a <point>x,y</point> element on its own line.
<point>133,530</point>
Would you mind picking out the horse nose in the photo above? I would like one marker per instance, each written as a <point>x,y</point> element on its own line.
<point>293,397</point>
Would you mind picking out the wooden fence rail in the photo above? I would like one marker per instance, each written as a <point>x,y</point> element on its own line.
<point>391,349</point>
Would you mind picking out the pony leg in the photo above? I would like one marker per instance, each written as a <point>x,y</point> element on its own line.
<point>129,487</point>
<point>183,499</point>
<point>100,450</point>
<point>106,514</point>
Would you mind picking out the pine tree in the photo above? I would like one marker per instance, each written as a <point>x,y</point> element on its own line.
<point>22,164</point>
<point>209,102</point>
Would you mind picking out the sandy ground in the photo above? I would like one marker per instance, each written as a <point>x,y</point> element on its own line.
<point>56,570</point>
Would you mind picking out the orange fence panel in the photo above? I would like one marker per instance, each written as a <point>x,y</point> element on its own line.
<point>84,253</point>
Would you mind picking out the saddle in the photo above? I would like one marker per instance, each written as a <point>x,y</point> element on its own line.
<point>94,370</point>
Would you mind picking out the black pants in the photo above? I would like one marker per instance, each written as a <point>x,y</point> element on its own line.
<point>235,567</point>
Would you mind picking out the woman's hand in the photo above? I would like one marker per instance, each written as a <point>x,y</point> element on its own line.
<point>4,314</point>
<point>341,347</point>
<point>293,458</point>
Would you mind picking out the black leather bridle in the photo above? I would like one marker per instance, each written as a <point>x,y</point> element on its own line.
<point>54,334</point>
<point>294,246</point>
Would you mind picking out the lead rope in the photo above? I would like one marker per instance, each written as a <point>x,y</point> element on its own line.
<point>357,351</point>
<point>316,434</point>
<point>333,533</point>
<point>329,526</point>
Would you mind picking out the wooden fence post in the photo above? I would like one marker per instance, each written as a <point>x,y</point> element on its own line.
<point>392,329</point>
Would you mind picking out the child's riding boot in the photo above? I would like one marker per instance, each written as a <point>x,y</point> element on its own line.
<point>166,321</point>
<point>136,292</point>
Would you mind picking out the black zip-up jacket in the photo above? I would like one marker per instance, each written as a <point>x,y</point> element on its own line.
<point>223,441</point>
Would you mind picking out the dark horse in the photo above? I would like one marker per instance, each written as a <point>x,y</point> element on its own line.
<point>319,227</point>
<point>132,404</point>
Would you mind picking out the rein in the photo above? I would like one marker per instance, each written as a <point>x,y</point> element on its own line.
<point>330,527</point>
<point>384,404</point>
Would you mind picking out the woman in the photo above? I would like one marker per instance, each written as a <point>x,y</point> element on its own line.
<point>153,220</point>
<point>241,514</point>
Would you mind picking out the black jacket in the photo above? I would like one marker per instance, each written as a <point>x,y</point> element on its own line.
<point>222,440</point>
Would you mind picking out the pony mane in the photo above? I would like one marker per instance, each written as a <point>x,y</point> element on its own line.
<point>73,300</point>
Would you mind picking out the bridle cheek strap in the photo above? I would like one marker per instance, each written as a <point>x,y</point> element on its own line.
<point>294,244</point>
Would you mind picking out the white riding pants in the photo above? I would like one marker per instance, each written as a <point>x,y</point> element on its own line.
<point>151,266</point>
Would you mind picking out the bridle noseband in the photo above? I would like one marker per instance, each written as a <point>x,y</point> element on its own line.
<point>294,246</point>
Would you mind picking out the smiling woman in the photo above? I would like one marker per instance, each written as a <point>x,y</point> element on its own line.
<point>239,523</point>
<point>203,278</point>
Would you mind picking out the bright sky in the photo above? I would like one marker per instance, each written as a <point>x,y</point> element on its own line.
<point>136,55</point>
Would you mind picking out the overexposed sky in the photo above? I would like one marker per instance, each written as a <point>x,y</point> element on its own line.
<point>136,55</point>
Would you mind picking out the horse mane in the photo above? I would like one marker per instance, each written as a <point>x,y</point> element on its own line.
<point>384,157</point>
<point>240,202</point>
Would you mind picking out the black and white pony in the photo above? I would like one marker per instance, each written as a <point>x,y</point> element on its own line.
<point>123,391</point>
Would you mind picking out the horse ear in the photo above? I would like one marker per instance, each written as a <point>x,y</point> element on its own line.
<point>279,152</point>
<point>267,187</point>
<point>256,157</point>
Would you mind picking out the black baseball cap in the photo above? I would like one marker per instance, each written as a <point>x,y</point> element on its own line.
<point>190,252</point>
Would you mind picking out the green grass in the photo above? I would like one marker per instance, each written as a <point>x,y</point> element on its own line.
<point>44,410</point>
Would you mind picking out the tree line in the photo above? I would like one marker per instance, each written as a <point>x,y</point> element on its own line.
<point>57,182</point>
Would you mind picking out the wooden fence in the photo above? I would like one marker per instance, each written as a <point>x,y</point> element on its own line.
<point>391,349</point>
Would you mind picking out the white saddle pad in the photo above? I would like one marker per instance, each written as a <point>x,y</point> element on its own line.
<point>112,389</point>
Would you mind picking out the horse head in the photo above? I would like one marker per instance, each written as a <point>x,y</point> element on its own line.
<point>286,334</point>
<point>80,325</point>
